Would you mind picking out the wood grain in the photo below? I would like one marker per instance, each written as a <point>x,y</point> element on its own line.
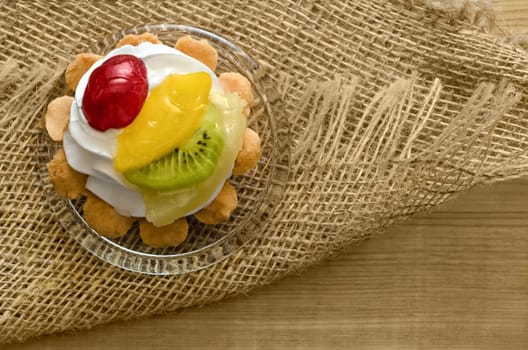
<point>456,278</point>
<point>513,15</point>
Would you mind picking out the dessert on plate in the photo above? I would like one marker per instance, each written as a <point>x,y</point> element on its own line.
<point>152,135</point>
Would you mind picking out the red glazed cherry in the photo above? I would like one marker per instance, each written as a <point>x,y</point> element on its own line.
<point>115,92</point>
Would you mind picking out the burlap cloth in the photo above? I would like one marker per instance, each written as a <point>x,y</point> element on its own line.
<point>390,107</point>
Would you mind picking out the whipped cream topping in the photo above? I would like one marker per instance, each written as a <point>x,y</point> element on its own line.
<point>91,152</point>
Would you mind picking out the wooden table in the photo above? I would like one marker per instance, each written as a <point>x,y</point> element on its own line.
<point>456,278</point>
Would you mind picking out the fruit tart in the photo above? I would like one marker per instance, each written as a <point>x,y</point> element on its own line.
<point>152,136</point>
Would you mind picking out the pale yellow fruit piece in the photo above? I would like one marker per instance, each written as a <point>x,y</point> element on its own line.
<point>136,39</point>
<point>199,49</point>
<point>170,235</point>
<point>80,65</point>
<point>249,155</point>
<point>57,117</point>
<point>104,219</point>
<point>67,182</point>
<point>220,209</point>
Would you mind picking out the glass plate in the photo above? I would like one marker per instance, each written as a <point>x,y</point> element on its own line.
<point>205,244</point>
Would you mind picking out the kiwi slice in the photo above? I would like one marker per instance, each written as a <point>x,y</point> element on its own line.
<point>187,165</point>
